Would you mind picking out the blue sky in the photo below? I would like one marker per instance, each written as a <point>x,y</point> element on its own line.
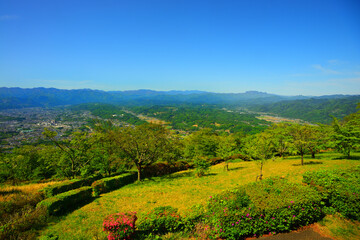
<point>286,47</point>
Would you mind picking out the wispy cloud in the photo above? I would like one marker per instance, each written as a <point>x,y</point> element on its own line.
<point>8,17</point>
<point>325,70</point>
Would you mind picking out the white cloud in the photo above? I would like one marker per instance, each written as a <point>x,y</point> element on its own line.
<point>325,70</point>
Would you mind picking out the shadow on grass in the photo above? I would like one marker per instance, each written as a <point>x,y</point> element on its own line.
<point>347,158</point>
<point>235,168</point>
<point>64,211</point>
<point>6,192</point>
<point>309,163</point>
<point>178,175</point>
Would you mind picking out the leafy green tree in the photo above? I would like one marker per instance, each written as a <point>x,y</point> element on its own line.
<point>281,138</point>
<point>203,143</point>
<point>75,156</point>
<point>346,135</point>
<point>261,148</point>
<point>141,145</point>
<point>301,139</point>
<point>226,148</point>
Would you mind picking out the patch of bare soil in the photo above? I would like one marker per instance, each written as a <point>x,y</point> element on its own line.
<point>312,232</point>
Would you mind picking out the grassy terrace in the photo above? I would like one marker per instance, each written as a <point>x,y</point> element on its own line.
<point>182,190</point>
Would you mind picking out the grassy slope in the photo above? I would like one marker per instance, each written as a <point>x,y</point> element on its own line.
<point>180,190</point>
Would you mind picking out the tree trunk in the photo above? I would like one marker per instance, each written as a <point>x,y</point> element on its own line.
<point>139,172</point>
<point>302,158</point>
<point>313,154</point>
<point>261,167</point>
<point>226,166</point>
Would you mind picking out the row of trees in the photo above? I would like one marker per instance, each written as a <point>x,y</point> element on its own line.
<point>108,148</point>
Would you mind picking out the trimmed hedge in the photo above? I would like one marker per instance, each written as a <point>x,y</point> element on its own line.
<point>160,169</point>
<point>112,183</point>
<point>340,189</point>
<point>66,201</point>
<point>69,185</point>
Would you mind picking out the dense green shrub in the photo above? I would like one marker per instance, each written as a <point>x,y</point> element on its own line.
<point>65,201</point>
<point>340,189</point>
<point>161,220</point>
<point>69,185</point>
<point>202,166</point>
<point>160,169</point>
<point>112,183</point>
<point>120,225</point>
<point>262,208</point>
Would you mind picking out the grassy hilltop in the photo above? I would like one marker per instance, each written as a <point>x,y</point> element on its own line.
<point>182,190</point>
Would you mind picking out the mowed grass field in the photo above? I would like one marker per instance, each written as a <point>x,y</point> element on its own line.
<point>183,190</point>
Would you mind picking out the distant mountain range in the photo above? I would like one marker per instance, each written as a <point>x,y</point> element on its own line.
<point>48,97</point>
<point>303,107</point>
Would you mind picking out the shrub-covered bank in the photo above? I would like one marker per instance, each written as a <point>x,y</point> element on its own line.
<point>267,207</point>
<point>340,190</point>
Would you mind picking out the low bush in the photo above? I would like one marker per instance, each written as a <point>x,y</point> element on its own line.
<point>64,202</point>
<point>112,183</point>
<point>340,189</point>
<point>160,169</point>
<point>69,185</point>
<point>262,208</point>
<point>161,220</point>
<point>120,225</point>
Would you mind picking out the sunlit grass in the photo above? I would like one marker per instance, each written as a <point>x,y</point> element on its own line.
<point>339,228</point>
<point>8,192</point>
<point>182,190</point>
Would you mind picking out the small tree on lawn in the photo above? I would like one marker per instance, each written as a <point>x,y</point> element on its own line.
<point>301,139</point>
<point>261,149</point>
<point>141,145</point>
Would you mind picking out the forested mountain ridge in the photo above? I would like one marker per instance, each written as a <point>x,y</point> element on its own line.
<point>311,109</point>
<point>315,110</point>
<point>49,97</point>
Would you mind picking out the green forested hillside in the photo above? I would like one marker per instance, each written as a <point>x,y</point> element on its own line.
<point>315,110</point>
<point>192,117</point>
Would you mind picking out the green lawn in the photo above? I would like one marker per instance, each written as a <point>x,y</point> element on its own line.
<point>182,190</point>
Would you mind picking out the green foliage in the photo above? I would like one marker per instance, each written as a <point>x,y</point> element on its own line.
<point>66,201</point>
<point>250,211</point>
<point>194,117</point>
<point>28,163</point>
<point>202,166</point>
<point>142,145</point>
<point>161,220</point>
<point>315,110</point>
<point>76,153</point>
<point>346,134</point>
<point>112,183</point>
<point>203,143</point>
<point>340,189</point>
<point>69,185</point>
